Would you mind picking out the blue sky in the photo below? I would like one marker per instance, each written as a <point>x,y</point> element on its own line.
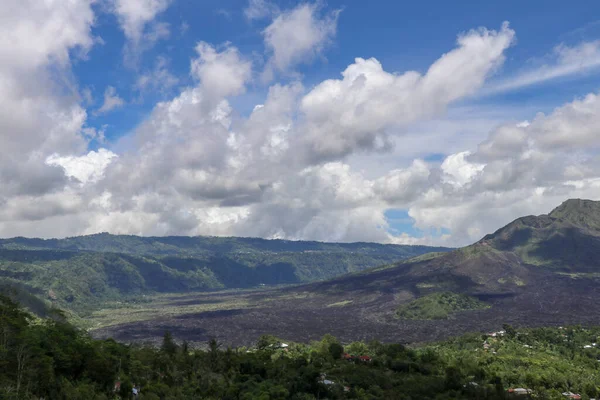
<point>401,35</point>
<point>409,122</point>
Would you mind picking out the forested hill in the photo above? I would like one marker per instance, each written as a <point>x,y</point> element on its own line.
<point>207,245</point>
<point>76,272</point>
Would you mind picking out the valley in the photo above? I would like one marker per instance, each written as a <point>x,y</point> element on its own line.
<point>83,275</point>
<point>361,306</point>
<point>307,313</point>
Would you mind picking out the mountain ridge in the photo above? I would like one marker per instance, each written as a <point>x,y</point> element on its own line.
<point>115,243</point>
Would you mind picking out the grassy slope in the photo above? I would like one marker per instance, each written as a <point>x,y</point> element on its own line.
<point>439,305</point>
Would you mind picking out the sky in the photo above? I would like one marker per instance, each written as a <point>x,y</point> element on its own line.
<point>428,122</point>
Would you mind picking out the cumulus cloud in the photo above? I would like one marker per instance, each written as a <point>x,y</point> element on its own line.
<point>39,114</point>
<point>297,36</point>
<point>357,111</point>
<point>87,168</point>
<point>223,73</point>
<point>401,186</point>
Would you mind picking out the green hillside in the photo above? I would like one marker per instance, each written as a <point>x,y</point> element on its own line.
<point>77,273</point>
<point>439,305</point>
<point>207,245</point>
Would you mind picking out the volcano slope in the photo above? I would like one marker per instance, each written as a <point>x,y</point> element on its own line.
<point>536,271</point>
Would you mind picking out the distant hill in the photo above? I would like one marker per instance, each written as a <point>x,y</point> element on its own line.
<point>76,272</point>
<point>206,245</point>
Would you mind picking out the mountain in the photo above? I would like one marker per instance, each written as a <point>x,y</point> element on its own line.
<point>567,239</point>
<point>77,273</point>
<point>536,271</point>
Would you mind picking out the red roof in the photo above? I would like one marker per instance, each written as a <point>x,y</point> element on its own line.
<point>365,358</point>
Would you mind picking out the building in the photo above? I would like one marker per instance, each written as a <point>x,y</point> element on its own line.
<point>520,391</point>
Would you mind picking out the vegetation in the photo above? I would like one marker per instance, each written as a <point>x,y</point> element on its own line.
<point>200,246</point>
<point>80,274</point>
<point>50,358</point>
<point>439,305</point>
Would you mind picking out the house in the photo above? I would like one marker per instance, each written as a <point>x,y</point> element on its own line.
<point>571,395</point>
<point>349,357</point>
<point>325,381</point>
<point>365,358</point>
<point>520,391</point>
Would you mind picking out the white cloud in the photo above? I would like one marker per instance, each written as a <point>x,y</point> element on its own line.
<point>111,101</point>
<point>357,111</point>
<point>137,19</point>
<point>134,15</point>
<point>39,108</point>
<point>565,62</point>
<point>86,169</point>
<point>297,36</point>
<point>221,74</point>
<point>36,33</point>
<point>258,9</point>
<point>401,186</point>
<point>457,171</point>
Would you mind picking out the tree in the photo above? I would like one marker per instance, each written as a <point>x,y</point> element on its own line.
<point>266,341</point>
<point>214,355</point>
<point>168,345</point>
<point>511,333</point>
<point>126,388</point>
<point>336,350</point>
